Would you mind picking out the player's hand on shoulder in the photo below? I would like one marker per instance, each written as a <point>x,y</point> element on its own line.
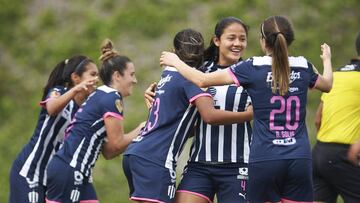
<point>168,59</point>
<point>149,95</point>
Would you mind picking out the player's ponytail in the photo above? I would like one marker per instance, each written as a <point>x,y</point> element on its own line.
<point>55,78</point>
<point>189,46</point>
<point>111,61</point>
<point>76,64</point>
<point>278,34</point>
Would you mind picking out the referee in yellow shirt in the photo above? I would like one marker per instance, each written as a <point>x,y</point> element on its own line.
<point>338,124</point>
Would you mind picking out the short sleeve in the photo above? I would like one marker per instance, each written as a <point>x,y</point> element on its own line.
<point>193,92</point>
<point>112,105</point>
<point>313,75</point>
<point>241,72</point>
<point>53,93</point>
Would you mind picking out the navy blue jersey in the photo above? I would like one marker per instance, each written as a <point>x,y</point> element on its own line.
<point>279,130</point>
<point>87,133</point>
<point>223,143</point>
<point>46,140</point>
<point>171,118</point>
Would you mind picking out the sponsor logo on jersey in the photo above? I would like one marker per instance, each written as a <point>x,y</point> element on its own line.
<point>243,173</point>
<point>285,142</point>
<point>163,81</point>
<point>32,183</point>
<point>75,195</point>
<point>33,197</point>
<point>293,76</point>
<point>78,177</point>
<point>171,191</point>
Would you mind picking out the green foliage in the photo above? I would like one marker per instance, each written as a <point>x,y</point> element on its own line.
<point>36,35</point>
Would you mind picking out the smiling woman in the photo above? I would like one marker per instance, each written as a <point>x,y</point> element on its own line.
<point>69,84</point>
<point>280,141</point>
<point>97,127</point>
<point>169,124</point>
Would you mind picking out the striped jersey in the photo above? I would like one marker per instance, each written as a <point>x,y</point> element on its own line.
<point>86,133</point>
<point>171,118</point>
<point>223,143</point>
<point>279,130</point>
<point>46,140</point>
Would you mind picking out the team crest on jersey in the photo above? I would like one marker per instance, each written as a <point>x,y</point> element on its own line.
<point>212,91</point>
<point>119,105</point>
<point>55,93</point>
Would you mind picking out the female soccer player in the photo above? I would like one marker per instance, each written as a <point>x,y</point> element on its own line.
<point>219,154</point>
<point>280,158</point>
<point>71,81</point>
<point>97,126</point>
<point>172,116</point>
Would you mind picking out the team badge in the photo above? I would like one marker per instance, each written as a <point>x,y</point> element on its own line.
<point>119,105</point>
<point>54,94</point>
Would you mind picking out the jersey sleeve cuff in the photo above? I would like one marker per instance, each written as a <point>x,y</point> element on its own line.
<point>199,95</point>
<point>236,81</point>
<point>112,114</point>
<point>43,103</point>
<point>316,82</point>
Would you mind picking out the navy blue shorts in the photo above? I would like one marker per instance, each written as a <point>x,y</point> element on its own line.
<point>67,185</point>
<point>149,181</point>
<point>23,189</point>
<point>227,181</point>
<point>334,175</point>
<point>280,180</point>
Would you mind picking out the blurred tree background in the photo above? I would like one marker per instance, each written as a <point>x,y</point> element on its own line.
<point>37,34</point>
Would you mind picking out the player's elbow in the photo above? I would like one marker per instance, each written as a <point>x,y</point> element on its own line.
<point>202,83</point>
<point>112,152</point>
<point>328,88</point>
<point>210,118</point>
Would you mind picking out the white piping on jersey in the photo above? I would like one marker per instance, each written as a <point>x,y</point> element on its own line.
<point>208,143</point>
<point>76,154</point>
<point>221,92</point>
<point>234,126</point>
<point>169,157</point>
<point>25,169</point>
<point>46,143</point>
<point>107,89</point>
<point>169,68</point>
<point>200,140</point>
<point>88,172</point>
<point>246,145</point>
<point>298,61</point>
<point>97,121</point>
<point>59,137</point>
<point>186,131</point>
<point>91,144</point>
<point>246,136</point>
